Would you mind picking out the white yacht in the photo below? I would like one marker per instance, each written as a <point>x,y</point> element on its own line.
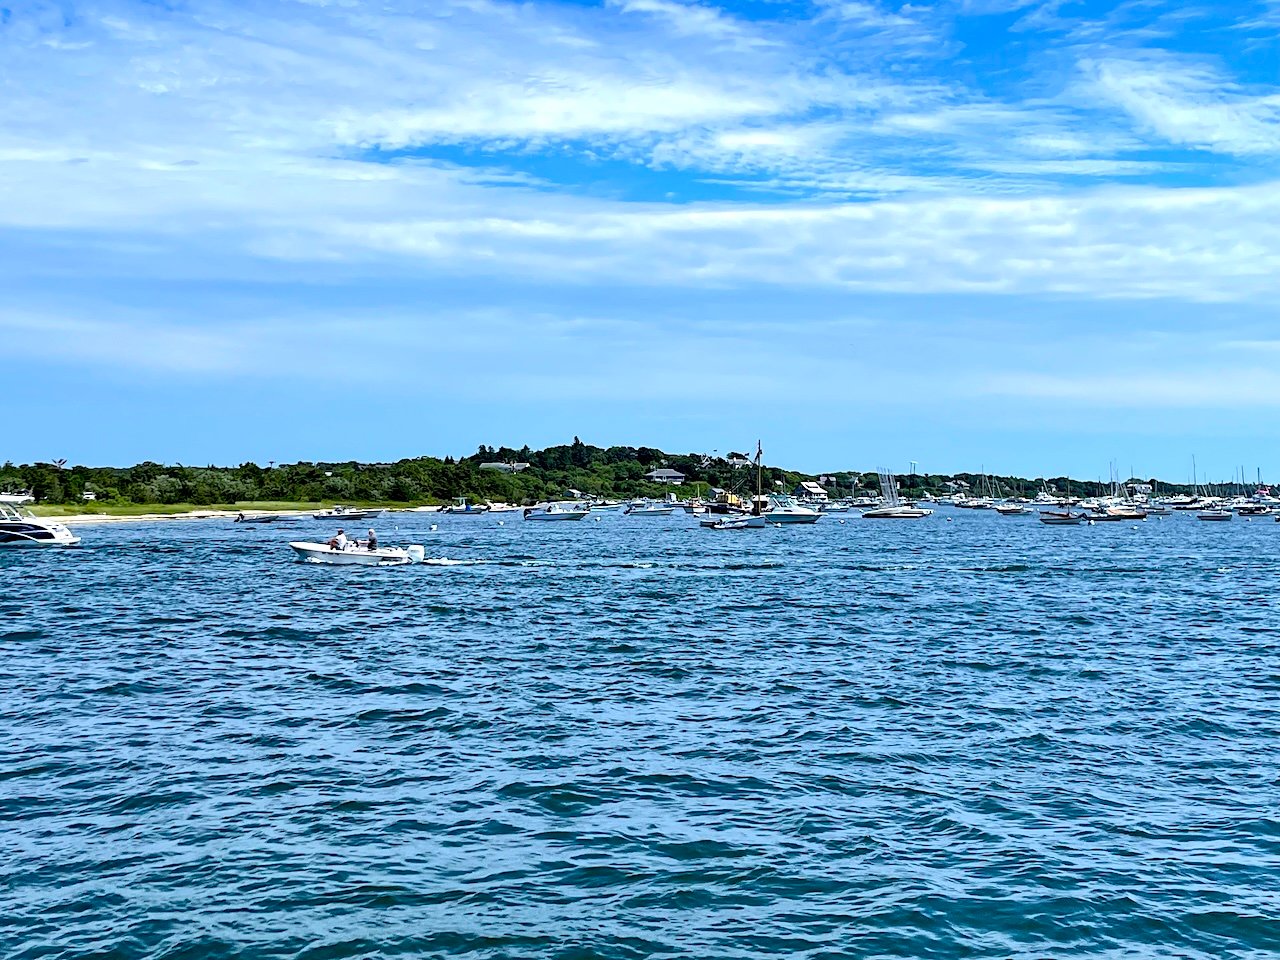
<point>21,528</point>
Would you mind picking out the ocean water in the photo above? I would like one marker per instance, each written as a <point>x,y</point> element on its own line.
<point>636,738</point>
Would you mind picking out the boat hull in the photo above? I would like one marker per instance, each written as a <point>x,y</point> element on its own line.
<point>779,517</point>
<point>897,513</point>
<point>21,534</point>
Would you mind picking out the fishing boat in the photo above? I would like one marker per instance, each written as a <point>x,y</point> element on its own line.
<point>22,528</point>
<point>461,506</point>
<point>340,512</point>
<point>892,507</point>
<point>739,519</point>
<point>358,555</point>
<point>557,511</point>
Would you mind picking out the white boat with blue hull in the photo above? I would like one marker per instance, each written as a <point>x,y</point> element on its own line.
<point>21,528</point>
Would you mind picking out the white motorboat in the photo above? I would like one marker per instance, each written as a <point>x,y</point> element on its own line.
<point>557,511</point>
<point>900,512</point>
<point>269,517</point>
<point>892,507</point>
<point>354,554</point>
<point>743,522</point>
<point>340,512</point>
<point>649,508</point>
<point>22,528</point>
<point>784,509</point>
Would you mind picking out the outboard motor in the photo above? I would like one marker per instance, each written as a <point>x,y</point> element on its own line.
<point>417,552</point>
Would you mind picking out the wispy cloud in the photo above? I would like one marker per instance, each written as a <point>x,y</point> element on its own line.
<point>1189,103</point>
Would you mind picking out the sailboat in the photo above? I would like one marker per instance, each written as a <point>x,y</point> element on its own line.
<point>1211,512</point>
<point>1064,517</point>
<point>893,507</point>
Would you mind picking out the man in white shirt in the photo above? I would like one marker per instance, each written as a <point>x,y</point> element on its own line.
<point>339,542</point>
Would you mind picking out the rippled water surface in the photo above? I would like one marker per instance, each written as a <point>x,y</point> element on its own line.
<point>629,738</point>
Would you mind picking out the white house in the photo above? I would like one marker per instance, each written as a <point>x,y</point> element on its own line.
<point>663,475</point>
<point>88,495</point>
<point>505,467</point>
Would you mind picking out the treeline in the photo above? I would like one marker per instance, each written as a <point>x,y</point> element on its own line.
<point>552,474</point>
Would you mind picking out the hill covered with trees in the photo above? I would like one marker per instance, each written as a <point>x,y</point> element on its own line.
<point>550,474</point>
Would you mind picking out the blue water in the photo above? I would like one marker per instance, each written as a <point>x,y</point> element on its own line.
<point>635,738</point>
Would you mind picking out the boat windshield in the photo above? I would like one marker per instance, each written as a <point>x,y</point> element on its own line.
<point>9,511</point>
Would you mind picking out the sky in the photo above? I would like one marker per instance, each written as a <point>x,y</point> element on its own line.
<point>1027,236</point>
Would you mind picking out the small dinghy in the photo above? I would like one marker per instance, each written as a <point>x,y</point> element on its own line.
<point>354,554</point>
<point>739,523</point>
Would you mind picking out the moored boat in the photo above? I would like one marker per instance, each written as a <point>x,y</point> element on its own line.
<point>892,507</point>
<point>1062,518</point>
<point>1215,513</point>
<point>340,512</point>
<point>463,507</point>
<point>556,511</point>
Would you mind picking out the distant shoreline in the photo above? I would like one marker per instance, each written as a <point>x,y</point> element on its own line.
<point>205,514</point>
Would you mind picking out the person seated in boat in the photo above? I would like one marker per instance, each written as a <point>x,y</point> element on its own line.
<point>373,540</point>
<point>240,518</point>
<point>339,542</point>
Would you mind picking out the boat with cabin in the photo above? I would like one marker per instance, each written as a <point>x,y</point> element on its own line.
<point>21,528</point>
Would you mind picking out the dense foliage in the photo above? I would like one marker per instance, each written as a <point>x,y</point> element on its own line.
<point>552,474</point>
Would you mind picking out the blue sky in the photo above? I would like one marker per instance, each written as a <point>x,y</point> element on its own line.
<point>1033,237</point>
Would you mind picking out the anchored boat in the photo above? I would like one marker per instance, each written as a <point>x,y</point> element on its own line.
<point>556,511</point>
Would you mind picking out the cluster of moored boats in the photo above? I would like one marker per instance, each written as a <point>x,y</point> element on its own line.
<point>1120,507</point>
<point>723,511</point>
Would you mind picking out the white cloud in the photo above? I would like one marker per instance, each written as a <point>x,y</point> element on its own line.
<point>1189,103</point>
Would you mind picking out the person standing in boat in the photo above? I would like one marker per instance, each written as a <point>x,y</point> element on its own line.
<point>373,540</point>
<point>339,542</point>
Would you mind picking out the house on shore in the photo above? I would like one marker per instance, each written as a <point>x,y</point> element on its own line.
<point>505,467</point>
<point>810,491</point>
<point>664,475</point>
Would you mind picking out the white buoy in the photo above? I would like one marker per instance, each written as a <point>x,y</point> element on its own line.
<point>842,521</point>
<point>502,523</point>
<point>435,526</point>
